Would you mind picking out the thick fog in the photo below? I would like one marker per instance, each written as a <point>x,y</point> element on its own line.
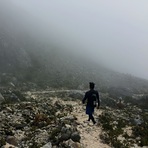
<point>113,32</point>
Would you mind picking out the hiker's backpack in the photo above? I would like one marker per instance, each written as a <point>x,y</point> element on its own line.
<point>94,98</point>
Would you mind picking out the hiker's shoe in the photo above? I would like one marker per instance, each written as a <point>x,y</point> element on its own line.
<point>94,122</point>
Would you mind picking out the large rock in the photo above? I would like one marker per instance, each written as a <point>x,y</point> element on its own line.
<point>65,134</point>
<point>12,140</point>
<point>75,137</point>
<point>9,146</point>
<point>73,144</point>
<point>48,145</point>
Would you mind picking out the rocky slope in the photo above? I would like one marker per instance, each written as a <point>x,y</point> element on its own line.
<point>24,61</point>
<point>27,59</point>
<point>57,119</point>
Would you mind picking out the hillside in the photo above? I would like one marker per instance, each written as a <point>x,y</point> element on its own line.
<point>57,119</point>
<point>44,74</point>
<point>27,60</point>
<point>30,59</point>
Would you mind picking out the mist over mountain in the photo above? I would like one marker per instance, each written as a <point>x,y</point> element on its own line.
<point>31,54</point>
<point>26,60</point>
<point>112,34</point>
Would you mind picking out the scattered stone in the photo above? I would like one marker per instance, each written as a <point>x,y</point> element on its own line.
<point>65,136</point>
<point>12,140</point>
<point>73,144</point>
<point>76,137</point>
<point>9,146</point>
<point>9,109</point>
<point>35,122</point>
<point>48,145</point>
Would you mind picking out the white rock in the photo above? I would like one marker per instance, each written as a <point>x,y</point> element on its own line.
<point>48,145</point>
<point>8,146</point>
<point>8,109</point>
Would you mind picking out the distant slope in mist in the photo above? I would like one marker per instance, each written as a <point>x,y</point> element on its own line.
<point>24,60</point>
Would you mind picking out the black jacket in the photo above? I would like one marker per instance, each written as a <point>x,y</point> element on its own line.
<point>88,97</point>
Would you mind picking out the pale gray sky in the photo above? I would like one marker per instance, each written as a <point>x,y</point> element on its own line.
<point>113,31</point>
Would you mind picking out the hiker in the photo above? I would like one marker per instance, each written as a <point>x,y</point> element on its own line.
<point>92,97</point>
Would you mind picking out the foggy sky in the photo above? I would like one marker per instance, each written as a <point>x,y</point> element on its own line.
<point>111,32</point>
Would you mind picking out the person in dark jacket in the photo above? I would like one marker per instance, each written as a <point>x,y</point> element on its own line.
<point>90,101</point>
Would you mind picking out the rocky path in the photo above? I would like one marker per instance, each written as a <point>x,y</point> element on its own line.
<point>58,119</point>
<point>47,117</point>
<point>89,132</point>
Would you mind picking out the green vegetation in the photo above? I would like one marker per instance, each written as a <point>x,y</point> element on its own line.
<point>113,129</point>
<point>2,141</point>
<point>115,123</point>
<point>141,131</point>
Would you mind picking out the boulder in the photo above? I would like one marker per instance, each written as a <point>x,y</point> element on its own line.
<point>75,137</point>
<point>65,134</point>
<point>73,144</point>
<point>12,140</point>
<point>48,145</point>
<point>9,146</point>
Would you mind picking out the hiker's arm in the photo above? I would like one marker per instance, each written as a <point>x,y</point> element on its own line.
<point>85,97</point>
<point>98,99</point>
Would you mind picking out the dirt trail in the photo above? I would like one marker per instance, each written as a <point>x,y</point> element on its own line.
<point>89,132</point>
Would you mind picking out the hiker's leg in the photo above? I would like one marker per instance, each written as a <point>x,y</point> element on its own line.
<point>92,118</point>
<point>89,117</point>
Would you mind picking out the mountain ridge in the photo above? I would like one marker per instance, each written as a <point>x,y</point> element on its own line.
<point>29,60</point>
<point>30,56</point>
